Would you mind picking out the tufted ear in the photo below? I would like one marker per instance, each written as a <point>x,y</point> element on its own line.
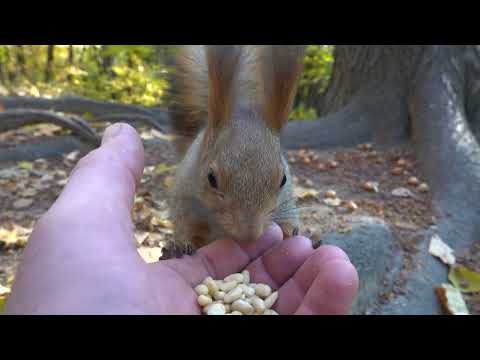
<point>223,64</point>
<point>279,72</point>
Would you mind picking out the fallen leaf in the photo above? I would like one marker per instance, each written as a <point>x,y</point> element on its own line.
<point>452,300</point>
<point>464,279</point>
<point>9,173</point>
<point>3,300</point>
<point>333,202</point>
<point>15,237</point>
<point>406,226</point>
<point>163,168</point>
<point>72,156</point>
<point>441,250</point>
<point>150,255</point>
<point>305,194</point>
<point>29,192</point>
<point>62,182</point>
<point>4,290</point>
<point>402,192</point>
<point>22,203</point>
<point>26,165</point>
<point>168,181</point>
<point>371,186</point>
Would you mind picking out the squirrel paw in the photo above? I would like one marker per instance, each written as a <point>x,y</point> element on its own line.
<point>172,251</point>
<point>289,230</point>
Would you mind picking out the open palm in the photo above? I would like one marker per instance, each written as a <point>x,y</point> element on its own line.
<point>82,259</point>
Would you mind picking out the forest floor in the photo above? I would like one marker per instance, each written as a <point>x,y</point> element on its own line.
<point>28,189</point>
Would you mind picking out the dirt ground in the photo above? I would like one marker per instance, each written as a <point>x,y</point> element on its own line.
<point>27,190</point>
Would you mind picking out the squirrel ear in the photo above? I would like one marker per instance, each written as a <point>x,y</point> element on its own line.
<point>280,69</point>
<point>223,62</point>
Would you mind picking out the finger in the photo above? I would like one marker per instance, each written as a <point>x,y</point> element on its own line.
<point>100,192</point>
<point>294,291</point>
<point>333,291</point>
<point>281,262</point>
<point>224,257</point>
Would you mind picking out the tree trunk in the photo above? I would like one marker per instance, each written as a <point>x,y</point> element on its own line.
<point>50,61</point>
<point>21,60</point>
<point>429,94</point>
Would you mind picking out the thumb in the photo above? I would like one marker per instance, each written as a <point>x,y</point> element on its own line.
<point>101,188</point>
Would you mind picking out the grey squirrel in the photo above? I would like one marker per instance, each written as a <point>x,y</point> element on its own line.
<point>231,103</point>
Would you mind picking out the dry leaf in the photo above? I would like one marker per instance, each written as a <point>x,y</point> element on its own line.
<point>305,194</point>
<point>150,255</point>
<point>15,237</point>
<point>4,290</point>
<point>441,250</point>
<point>371,186</point>
<point>168,181</point>
<point>22,203</point>
<point>402,192</point>
<point>29,192</point>
<point>163,168</point>
<point>72,156</point>
<point>464,279</point>
<point>452,300</point>
<point>26,165</point>
<point>333,202</point>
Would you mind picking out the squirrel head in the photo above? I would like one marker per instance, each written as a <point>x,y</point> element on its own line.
<point>241,169</point>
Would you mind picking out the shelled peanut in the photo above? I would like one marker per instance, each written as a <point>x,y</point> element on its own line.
<point>235,295</point>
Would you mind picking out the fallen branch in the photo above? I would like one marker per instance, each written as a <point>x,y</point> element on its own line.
<point>81,106</point>
<point>13,119</point>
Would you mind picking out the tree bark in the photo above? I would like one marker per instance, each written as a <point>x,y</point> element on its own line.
<point>50,61</point>
<point>21,60</point>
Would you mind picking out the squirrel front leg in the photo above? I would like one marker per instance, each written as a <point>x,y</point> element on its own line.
<point>190,235</point>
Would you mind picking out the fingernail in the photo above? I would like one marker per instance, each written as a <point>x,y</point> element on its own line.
<point>111,132</point>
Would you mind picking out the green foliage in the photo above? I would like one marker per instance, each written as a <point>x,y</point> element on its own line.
<point>132,74</point>
<point>125,73</point>
<point>314,81</point>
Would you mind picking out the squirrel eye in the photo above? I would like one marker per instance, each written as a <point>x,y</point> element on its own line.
<point>284,181</point>
<point>212,180</point>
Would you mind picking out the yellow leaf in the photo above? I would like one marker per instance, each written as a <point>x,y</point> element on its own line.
<point>27,165</point>
<point>305,194</point>
<point>163,168</point>
<point>3,301</point>
<point>168,181</point>
<point>465,280</point>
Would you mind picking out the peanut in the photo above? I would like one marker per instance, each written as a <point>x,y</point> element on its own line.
<point>262,290</point>
<point>269,301</point>
<point>244,307</point>
<point>233,295</point>
<point>227,286</point>
<point>201,289</point>
<point>204,300</point>
<point>234,277</point>
<point>218,295</point>
<point>246,277</point>
<point>258,304</point>
<point>216,309</point>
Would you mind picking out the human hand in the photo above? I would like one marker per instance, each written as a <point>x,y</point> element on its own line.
<point>82,258</point>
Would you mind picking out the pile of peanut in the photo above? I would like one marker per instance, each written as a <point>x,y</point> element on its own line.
<point>235,295</point>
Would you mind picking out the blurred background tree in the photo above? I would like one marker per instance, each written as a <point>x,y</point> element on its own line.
<point>130,74</point>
